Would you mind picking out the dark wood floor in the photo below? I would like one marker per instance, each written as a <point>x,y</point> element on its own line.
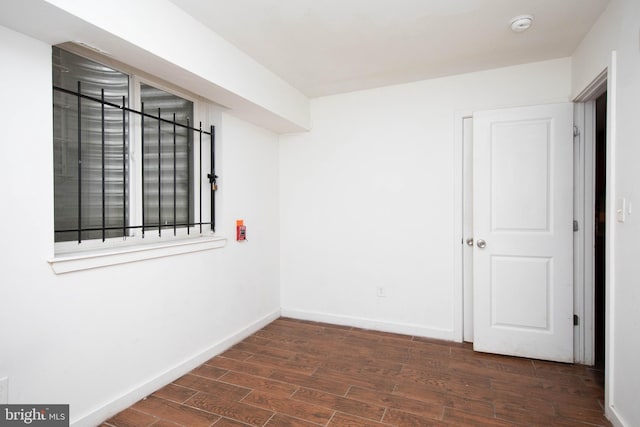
<point>295,373</point>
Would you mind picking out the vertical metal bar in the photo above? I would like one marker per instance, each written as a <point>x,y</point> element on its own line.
<point>174,174</point>
<point>102,155</point>
<point>143,162</point>
<point>124,168</point>
<point>159,175</point>
<point>213,178</point>
<point>200,203</point>
<point>79,164</point>
<point>188,179</point>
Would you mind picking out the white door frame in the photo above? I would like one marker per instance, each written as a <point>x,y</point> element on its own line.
<point>583,238</point>
<point>458,246</point>
<point>584,210</point>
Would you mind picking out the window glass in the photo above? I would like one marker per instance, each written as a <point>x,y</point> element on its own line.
<point>168,163</point>
<point>79,183</point>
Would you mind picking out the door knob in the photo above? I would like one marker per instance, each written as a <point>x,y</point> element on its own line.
<point>470,241</point>
<point>481,244</point>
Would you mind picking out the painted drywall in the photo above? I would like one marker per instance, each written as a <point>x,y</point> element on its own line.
<point>101,339</point>
<point>368,198</point>
<point>618,30</point>
<point>178,47</point>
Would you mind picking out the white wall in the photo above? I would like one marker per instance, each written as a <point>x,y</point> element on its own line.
<point>367,198</point>
<point>101,339</point>
<point>618,29</point>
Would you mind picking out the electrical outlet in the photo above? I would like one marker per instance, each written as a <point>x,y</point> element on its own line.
<point>381,292</point>
<point>4,390</point>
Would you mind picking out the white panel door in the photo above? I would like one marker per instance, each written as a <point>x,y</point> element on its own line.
<point>523,229</point>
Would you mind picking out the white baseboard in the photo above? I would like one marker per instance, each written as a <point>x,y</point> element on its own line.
<point>612,415</point>
<point>109,409</point>
<point>373,324</point>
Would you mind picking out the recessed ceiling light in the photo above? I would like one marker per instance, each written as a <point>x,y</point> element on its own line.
<point>521,23</point>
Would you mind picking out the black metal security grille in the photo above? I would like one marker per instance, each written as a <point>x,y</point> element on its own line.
<point>165,186</point>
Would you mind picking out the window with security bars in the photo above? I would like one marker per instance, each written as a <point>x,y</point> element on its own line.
<point>121,171</point>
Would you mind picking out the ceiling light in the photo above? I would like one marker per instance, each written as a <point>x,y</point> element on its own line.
<point>521,23</point>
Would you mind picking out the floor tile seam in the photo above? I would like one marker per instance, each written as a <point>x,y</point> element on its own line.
<point>510,420</point>
<point>556,417</point>
<point>293,397</point>
<point>302,419</point>
<point>527,399</point>
<point>297,386</point>
<point>416,414</point>
<point>276,412</point>
<point>251,355</point>
<point>286,336</point>
<point>555,376</point>
<point>277,366</point>
<point>518,423</point>
<point>185,404</point>
<point>384,414</point>
<point>283,413</point>
<point>154,416</point>
<point>203,377</point>
<point>444,409</point>
<point>446,395</point>
<point>177,424</point>
<point>599,411</point>
<point>174,401</point>
<point>254,363</point>
<point>143,411</point>
<point>399,407</point>
<point>331,419</point>
<point>208,392</point>
<point>564,372</point>
<point>602,414</point>
<point>273,356</point>
<point>341,396</point>
<point>583,422</point>
<point>270,418</point>
<point>453,410</point>
<point>159,420</point>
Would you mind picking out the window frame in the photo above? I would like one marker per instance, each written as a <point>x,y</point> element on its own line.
<point>114,250</point>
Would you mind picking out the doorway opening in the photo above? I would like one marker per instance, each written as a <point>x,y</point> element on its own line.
<point>600,196</point>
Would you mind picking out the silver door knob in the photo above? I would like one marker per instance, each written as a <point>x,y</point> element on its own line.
<point>481,244</point>
<point>470,241</point>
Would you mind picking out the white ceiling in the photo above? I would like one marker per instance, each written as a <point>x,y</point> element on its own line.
<point>324,47</point>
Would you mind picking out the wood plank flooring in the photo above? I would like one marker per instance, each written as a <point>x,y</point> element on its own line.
<point>297,373</point>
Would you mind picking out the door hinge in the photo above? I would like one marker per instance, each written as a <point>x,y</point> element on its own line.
<point>576,320</point>
<point>575,225</point>
<point>576,131</point>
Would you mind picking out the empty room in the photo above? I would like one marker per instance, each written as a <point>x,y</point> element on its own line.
<point>294,212</point>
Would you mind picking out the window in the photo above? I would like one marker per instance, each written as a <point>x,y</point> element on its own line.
<point>129,160</point>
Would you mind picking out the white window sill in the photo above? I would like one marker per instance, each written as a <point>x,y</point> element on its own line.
<point>102,258</point>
